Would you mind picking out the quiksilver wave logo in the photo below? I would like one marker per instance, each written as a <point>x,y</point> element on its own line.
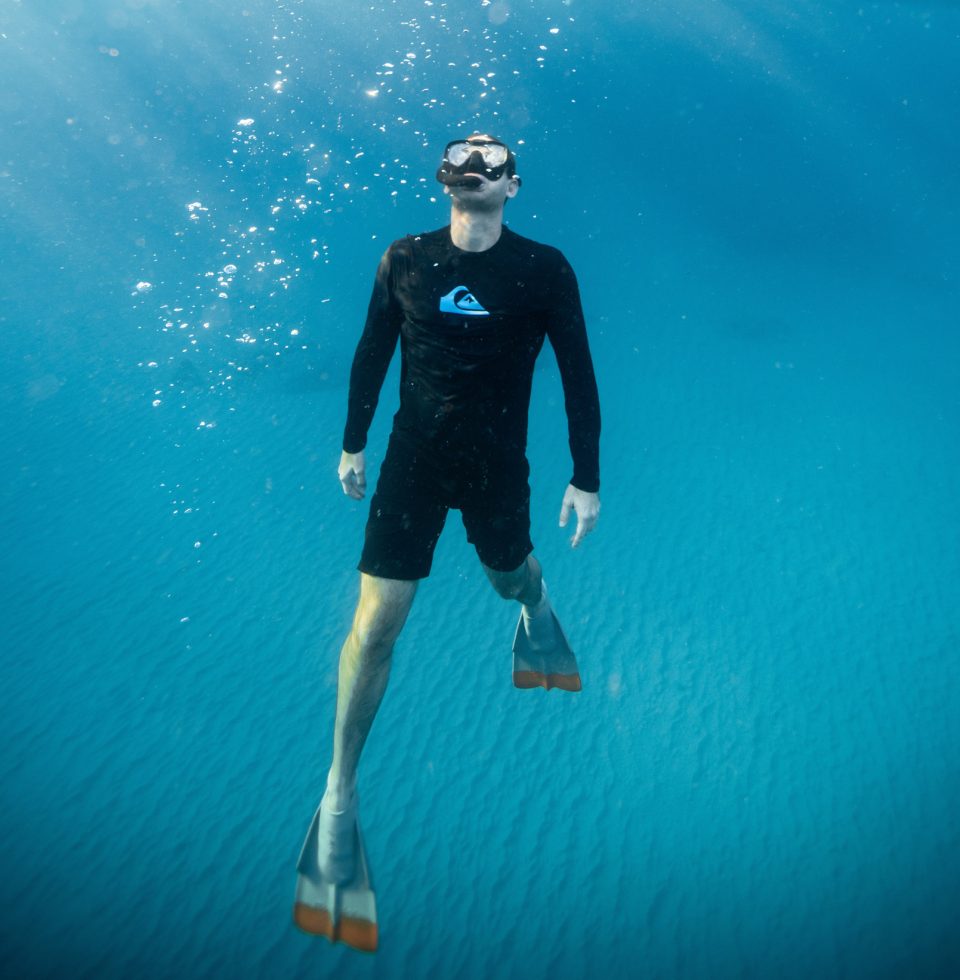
<point>461,300</point>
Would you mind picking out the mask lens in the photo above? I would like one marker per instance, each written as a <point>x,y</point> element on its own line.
<point>458,153</point>
<point>493,154</point>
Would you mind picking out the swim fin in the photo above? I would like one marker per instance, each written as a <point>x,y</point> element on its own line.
<point>346,912</point>
<point>549,667</point>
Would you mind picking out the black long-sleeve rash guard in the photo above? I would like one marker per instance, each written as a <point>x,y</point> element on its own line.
<point>471,325</point>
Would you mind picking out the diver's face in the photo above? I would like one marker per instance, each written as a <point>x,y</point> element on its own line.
<point>484,194</point>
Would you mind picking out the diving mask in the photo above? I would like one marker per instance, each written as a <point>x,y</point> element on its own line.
<point>488,157</point>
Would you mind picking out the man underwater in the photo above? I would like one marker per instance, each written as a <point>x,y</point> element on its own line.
<point>471,305</point>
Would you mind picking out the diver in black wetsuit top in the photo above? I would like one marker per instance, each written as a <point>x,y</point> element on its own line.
<point>471,305</point>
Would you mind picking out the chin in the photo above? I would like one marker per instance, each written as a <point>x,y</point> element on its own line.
<point>472,201</point>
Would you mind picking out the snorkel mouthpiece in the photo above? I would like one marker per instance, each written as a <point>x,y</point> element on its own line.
<point>457,180</point>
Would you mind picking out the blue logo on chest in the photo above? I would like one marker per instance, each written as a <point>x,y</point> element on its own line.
<point>461,301</point>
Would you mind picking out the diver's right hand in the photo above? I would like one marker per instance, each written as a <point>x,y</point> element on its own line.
<point>352,473</point>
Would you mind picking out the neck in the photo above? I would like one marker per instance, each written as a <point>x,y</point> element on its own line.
<point>475,231</point>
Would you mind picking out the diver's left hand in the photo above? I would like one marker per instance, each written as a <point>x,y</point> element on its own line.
<point>587,506</point>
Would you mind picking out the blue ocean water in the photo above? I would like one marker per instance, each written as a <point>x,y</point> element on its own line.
<point>761,776</point>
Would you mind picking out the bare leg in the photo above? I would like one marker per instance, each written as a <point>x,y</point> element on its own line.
<point>522,584</point>
<point>364,671</point>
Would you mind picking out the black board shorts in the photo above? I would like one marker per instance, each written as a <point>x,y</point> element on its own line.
<point>416,488</point>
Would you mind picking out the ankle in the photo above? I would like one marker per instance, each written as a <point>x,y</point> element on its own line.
<point>540,604</point>
<point>339,793</point>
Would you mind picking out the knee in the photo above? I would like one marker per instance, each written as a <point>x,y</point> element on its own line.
<point>380,614</point>
<point>522,584</point>
<point>376,630</point>
<point>509,585</point>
